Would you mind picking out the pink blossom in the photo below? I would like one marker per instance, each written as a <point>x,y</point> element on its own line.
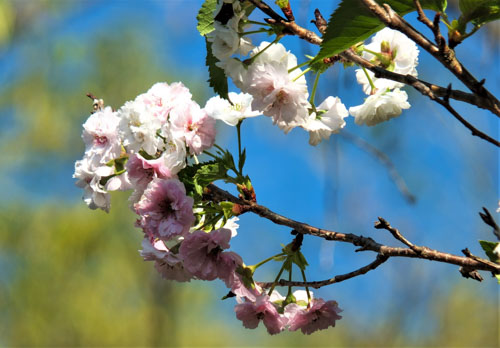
<point>235,282</point>
<point>161,98</point>
<point>251,313</point>
<point>319,316</point>
<point>191,123</point>
<point>165,209</point>
<point>168,264</point>
<point>204,257</point>
<point>277,95</point>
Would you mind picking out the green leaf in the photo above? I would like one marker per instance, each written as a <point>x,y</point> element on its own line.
<point>299,259</point>
<point>217,78</point>
<point>478,11</point>
<point>498,277</point>
<point>208,173</point>
<point>205,17</point>
<point>488,248</point>
<point>352,22</point>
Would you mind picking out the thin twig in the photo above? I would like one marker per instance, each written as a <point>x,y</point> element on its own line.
<point>421,15</point>
<point>384,224</point>
<point>337,279</point>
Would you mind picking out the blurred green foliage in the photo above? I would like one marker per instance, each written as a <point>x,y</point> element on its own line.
<point>72,277</point>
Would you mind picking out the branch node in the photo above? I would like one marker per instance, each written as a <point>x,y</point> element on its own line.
<point>319,21</point>
<point>470,273</point>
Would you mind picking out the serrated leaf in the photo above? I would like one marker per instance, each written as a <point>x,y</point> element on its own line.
<point>217,78</point>
<point>488,248</point>
<point>205,17</point>
<point>479,11</point>
<point>353,22</point>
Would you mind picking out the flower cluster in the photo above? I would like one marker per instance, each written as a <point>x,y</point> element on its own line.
<point>150,145</point>
<point>144,146</point>
<point>395,52</point>
<point>141,145</point>
<point>307,314</point>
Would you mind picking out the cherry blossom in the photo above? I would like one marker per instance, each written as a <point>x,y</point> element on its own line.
<point>319,316</point>
<point>165,210</point>
<point>168,264</point>
<point>380,107</point>
<point>328,119</point>
<point>204,257</point>
<point>251,313</point>
<point>397,53</point>
<point>100,135</point>
<point>191,123</point>
<point>221,109</point>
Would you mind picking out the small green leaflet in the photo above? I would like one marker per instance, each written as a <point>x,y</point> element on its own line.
<point>205,17</point>
<point>217,78</point>
<point>478,11</point>
<point>352,22</point>
<point>488,248</point>
<point>196,177</point>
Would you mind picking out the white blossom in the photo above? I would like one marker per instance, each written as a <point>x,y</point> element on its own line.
<point>138,127</point>
<point>380,107</point>
<point>328,120</point>
<point>88,178</point>
<point>221,109</point>
<point>235,70</point>
<point>400,56</point>
<point>100,135</point>
<point>225,41</point>
<point>275,53</point>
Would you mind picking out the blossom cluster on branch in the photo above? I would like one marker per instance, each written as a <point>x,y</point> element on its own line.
<point>151,144</point>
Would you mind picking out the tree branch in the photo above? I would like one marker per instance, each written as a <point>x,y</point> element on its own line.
<point>364,243</point>
<point>444,54</point>
<point>337,279</point>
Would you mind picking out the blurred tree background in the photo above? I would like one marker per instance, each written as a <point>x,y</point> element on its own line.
<point>72,277</point>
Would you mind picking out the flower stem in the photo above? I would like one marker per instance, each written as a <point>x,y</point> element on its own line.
<point>298,66</point>
<point>252,59</point>
<point>254,32</point>
<point>307,288</point>
<point>277,278</point>
<point>301,74</point>
<point>376,54</point>
<point>257,265</point>
<point>313,93</point>
<point>289,279</point>
<point>238,130</point>
<point>372,85</point>
<point>196,159</point>
<point>248,21</point>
